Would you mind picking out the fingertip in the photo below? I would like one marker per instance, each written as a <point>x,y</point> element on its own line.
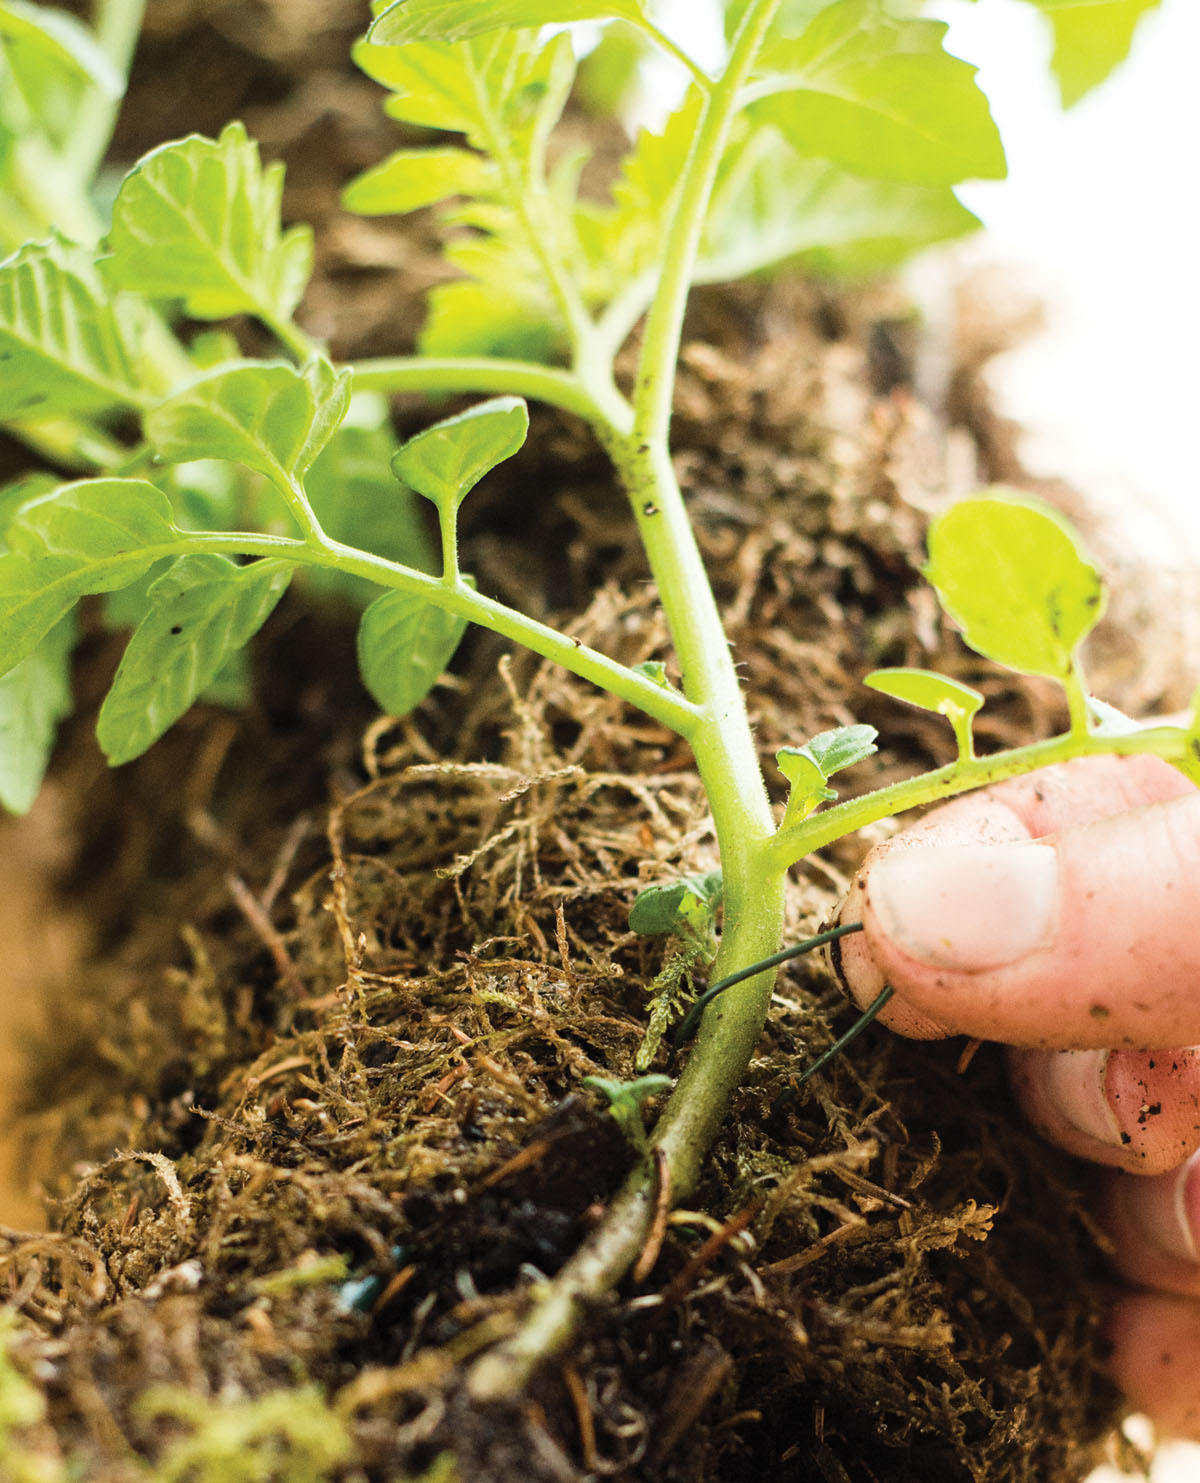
<point>1156,1359</point>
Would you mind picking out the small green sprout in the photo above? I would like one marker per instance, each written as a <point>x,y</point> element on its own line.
<point>625,1099</point>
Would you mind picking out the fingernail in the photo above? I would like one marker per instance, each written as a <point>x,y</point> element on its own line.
<point>1076,1087</point>
<point>1165,1208</point>
<point>967,907</point>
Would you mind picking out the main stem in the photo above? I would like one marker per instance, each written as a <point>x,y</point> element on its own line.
<point>728,762</point>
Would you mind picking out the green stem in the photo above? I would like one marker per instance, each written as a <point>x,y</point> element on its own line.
<point>450,376</point>
<point>70,444</point>
<point>448,526</point>
<point>727,759</point>
<point>660,350</point>
<point>1171,743</point>
<point>301,345</point>
<point>117,24</point>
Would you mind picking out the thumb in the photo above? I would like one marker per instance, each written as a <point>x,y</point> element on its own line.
<point>1058,910</point>
<point>1090,937</point>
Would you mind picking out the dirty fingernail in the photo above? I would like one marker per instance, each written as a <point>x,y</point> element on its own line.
<point>1165,1209</point>
<point>1076,1087</point>
<point>967,907</point>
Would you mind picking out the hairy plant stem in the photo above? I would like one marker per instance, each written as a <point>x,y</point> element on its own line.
<point>725,755</point>
<point>667,707</point>
<point>1172,743</point>
<point>448,376</point>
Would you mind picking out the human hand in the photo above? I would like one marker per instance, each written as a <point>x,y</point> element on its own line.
<point>1060,914</point>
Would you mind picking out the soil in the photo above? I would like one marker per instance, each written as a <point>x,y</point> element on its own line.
<point>312,1110</point>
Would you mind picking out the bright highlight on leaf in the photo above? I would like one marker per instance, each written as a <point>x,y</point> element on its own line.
<point>446,461</point>
<point>1012,576</point>
<point>202,611</point>
<point>932,692</point>
<point>198,220</point>
<point>880,97</point>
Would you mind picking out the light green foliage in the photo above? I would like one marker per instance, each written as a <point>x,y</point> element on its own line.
<point>51,55</point>
<point>655,670</point>
<point>772,206</point>
<point>457,20</point>
<point>504,90</point>
<point>1091,38</point>
<point>404,644</point>
<point>809,768</point>
<point>201,612</point>
<point>285,1436</point>
<point>198,220</point>
<point>1011,574</point>
<point>34,697</point>
<point>412,178</point>
<point>265,415</point>
<point>446,461</point>
<point>625,1100</point>
<point>880,97</point>
<point>932,692</point>
<point>65,345</point>
<point>686,905</point>
<point>91,536</point>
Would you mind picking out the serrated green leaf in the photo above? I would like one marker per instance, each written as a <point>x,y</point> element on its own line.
<point>34,697</point>
<point>687,903</point>
<point>458,20</point>
<point>771,207</point>
<point>92,536</point>
<point>264,414</point>
<point>841,747</point>
<point>404,646</point>
<point>1091,38</point>
<point>1010,573</point>
<point>64,344</point>
<point>926,690</point>
<point>202,610</point>
<point>446,461</point>
<point>412,178</point>
<point>881,97</point>
<point>198,220</point>
<point>645,189</point>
